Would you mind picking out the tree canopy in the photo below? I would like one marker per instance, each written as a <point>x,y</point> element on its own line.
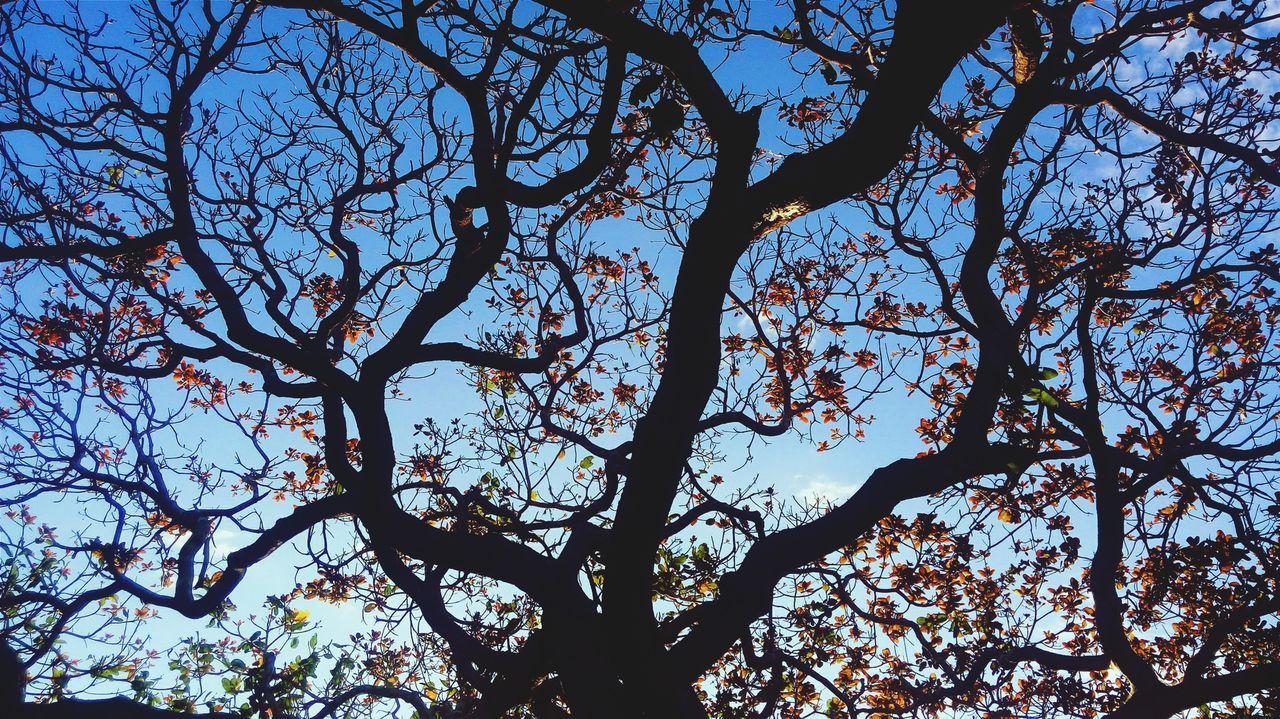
<point>441,358</point>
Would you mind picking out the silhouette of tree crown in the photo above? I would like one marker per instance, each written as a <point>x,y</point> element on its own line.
<point>481,320</point>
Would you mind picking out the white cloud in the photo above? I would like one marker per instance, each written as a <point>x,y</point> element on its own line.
<point>822,489</point>
<point>224,541</point>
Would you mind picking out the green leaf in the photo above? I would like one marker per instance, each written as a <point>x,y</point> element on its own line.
<point>1047,373</point>
<point>1042,396</point>
<point>586,463</point>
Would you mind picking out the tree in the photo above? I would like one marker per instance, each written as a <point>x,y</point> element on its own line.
<point>481,313</point>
